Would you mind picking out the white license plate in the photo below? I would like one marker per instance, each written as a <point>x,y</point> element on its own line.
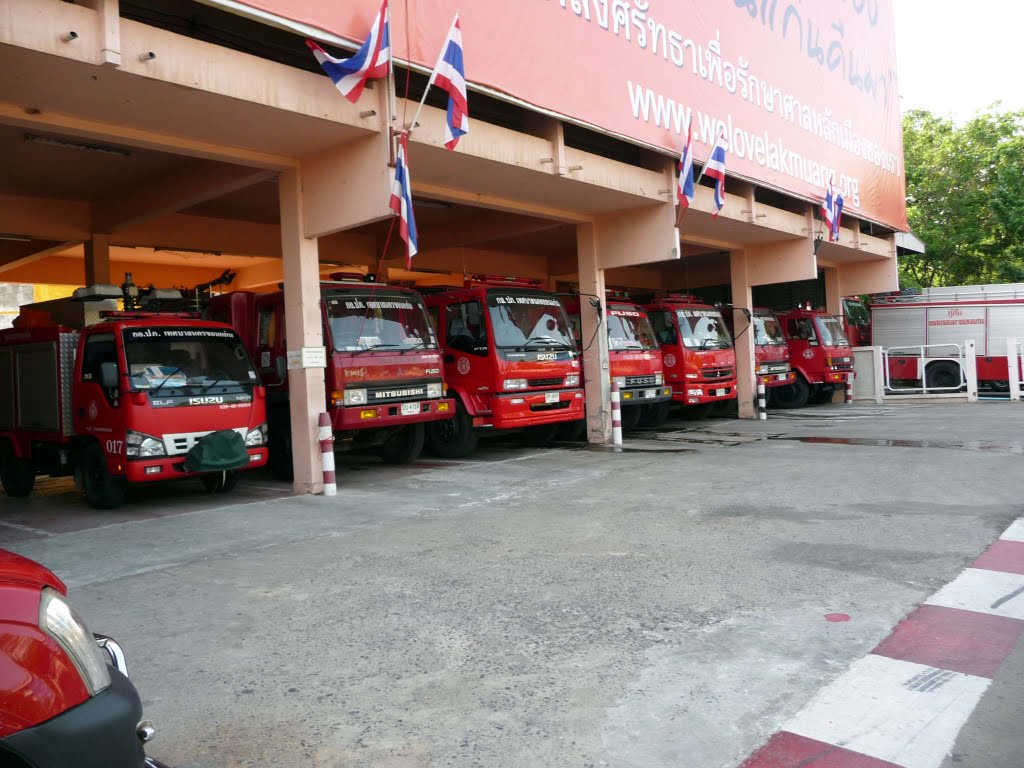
<point>782,376</point>
<point>550,397</point>
<point>410,409</point>
<point>650,393</point>
<point>720,392</point>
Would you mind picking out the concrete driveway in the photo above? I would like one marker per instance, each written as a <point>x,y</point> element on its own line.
<point>663,606</point>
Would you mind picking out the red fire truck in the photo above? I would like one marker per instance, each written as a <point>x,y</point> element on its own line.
<point>857,321</point>
<point>383,378</point>
<point>510,361</point>
<point>931,326</point>
<point>633,355</point>
<point>697,352</point>
<point>819,352</point>
<point>118,397</point>
<point>771,353</point>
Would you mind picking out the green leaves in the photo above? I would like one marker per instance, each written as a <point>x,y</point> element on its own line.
<point>965,198</point>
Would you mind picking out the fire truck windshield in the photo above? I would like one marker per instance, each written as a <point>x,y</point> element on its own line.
<point>768,331</point>
<point>629,329</point>
<point>703,329</point>
<point>830,328</point>
<point>528,320</point>
<point>378,320</point>
<point>186,360</point>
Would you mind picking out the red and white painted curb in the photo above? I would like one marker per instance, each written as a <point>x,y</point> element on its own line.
<point>903,705</point>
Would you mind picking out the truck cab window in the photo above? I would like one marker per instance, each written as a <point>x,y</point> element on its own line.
<point>98,349</point>
<point>267,331</point>
<point>800,328</point>
<point>664,328</point>
<point>464,329</point>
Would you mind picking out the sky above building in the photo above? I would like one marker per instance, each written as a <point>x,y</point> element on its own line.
<point>955,58</point>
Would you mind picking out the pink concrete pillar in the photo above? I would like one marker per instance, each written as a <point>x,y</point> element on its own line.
<point>303,329</point>
<point>833,291</point>
<point>742,298</point>
<point>97,260</point>
<point>595,359</point>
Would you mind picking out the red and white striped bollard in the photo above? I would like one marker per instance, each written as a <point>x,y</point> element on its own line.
<point>762,400</point>
<point>616,415</point>
<point>849,389</point>
<point>326,437</point>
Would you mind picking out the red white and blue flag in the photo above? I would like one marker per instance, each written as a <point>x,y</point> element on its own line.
<point>715,169</point>
<point>371,61</point>
<point>450,75</point>
<point>832,211</point>
<point>401,200</point>
<point>684,191</point>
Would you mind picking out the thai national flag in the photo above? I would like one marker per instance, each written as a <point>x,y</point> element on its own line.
<point>372,60</point>
<point>450,75</point>
<point>685,189</point>
<point>832,211</point>
<point>715,168</point>
<point>401,200</point>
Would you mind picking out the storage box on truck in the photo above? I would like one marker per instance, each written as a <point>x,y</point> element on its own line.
<point>384,377</point>
<point>697,352</point>
<point>120,397</point>
<point>820,355</point>
<point>510,361</point>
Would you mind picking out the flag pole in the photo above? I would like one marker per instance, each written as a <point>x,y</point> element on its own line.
<point>433,73</point>
<point>392,106</point>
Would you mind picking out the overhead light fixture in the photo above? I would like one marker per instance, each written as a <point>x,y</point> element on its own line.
<point>16,238</point>
<point>432,203</point>
<point>35,138</point>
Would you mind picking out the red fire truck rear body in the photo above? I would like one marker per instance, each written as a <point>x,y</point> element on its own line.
<point>697,350</point>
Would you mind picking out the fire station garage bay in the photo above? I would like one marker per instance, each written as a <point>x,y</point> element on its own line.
<point>179,141</point>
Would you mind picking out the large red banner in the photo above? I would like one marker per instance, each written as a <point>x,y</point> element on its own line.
<point>805,90</point>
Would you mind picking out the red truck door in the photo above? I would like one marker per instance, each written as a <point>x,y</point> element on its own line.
<point>97,408</point>
<point>466,348</point>
<point>270,342</point>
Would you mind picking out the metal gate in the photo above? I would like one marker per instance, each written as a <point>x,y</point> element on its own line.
<point>906,369</point>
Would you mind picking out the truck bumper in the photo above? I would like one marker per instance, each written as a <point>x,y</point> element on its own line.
<point>838,377</point>
<point>98,733</point>
<point>699,393</point>
<point>644,395</point>
<point>531,409</point>
<point>391,415</point>
<point>778,379</point>
<point>173,467</point>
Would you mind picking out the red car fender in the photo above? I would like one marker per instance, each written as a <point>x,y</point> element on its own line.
<point>473,402</point>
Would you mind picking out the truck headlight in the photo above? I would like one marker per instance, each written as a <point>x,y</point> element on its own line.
<point>659,378</point>
<point>355,397</point>
<point>514,384</point>
<point>620,380</point>
<point>256,436</point>
<point>572,380</point>
<point>434,389</point>
<point>61,622</point>
<point>761,370</point>
<point>140,445</point>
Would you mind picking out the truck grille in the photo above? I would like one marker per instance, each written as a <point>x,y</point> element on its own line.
<point>719,373</point>
<point>641,381</point>
<point>396,394</point>
<point>180,443</point>
<point>552,382</point>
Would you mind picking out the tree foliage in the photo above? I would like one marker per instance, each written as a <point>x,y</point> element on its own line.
<point>965,198</point>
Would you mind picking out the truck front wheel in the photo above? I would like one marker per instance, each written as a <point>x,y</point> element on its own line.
<point>944,374</point>
<point>654,415</point>
<point>454,438</point>
<point>631,418</point>
<point>102,490</point>
<point>220,482</point>
<point>404,445</point>
<point>793,395</point>
<point>17,475</point>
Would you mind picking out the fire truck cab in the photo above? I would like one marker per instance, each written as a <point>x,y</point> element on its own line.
<point>118,397</point>
<point>697,352</point>
<point>383,377</point>
<point>820,354</point>
<point>510,361</point>
<point>633,355</point>
<point>771,353</point>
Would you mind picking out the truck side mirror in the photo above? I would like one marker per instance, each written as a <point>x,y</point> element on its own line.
<point>108,375</point>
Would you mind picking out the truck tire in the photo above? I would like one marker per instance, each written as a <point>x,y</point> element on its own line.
<point>102,490</point>
<point>631,418</point>
<point>220,482</point>
<point>404,445</point>
<point>17,475</point>
<point>539,436</point>
<point>654,415</point>
<point>454,438</point>
<point>944,373</point>
<point>697,412</point>
<point>793,395</point>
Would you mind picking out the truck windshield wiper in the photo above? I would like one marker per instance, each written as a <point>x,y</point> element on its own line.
<point>167,378</point>
<point>216,381</point>
<point>376,347</point>
<point>546,340</point>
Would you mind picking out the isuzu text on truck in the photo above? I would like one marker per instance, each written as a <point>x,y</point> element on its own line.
<point>384,375</point>
<point>633,355</point>
<point>819,353</point>
<point>510,361</point>
<point>120,397</point>
<point>697,352</point>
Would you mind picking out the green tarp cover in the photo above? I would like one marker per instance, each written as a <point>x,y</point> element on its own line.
<point>217,452</point>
